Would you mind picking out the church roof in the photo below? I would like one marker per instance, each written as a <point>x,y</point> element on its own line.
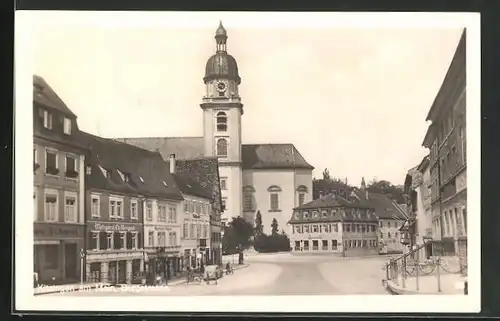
<point>44,94</point>
<point>254,156</point>
<point>273,156</point>
<point>146,172</point>
<point>385,208</point>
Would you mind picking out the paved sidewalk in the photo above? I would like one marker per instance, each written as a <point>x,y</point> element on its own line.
<point>184,279</point>
<point>450,284</point>
<point>47,289</point>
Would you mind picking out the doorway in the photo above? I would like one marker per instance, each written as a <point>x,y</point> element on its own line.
<point>70,259</point>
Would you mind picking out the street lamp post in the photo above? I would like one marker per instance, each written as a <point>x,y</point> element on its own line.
<point>82,256</point>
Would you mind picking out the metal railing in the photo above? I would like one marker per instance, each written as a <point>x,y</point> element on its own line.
<point>418,262</point>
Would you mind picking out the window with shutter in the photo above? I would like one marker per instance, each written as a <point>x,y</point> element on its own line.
<point>117,241</point>
<point>103,240</point>
<point>139,240</point>
<point>129,240</point>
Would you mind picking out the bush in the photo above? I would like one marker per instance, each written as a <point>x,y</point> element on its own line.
<point>272,243</point>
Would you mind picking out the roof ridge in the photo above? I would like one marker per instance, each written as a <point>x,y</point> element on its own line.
<point>122,143</point>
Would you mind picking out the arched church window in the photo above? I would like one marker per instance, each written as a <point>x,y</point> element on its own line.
<point>222,147</point>
<point>221,121</point>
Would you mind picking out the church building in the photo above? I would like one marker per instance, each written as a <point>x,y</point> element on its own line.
<point>271,178</point>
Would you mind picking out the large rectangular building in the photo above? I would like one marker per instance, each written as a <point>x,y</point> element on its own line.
<point>58,188</point>
<point>446,139</point>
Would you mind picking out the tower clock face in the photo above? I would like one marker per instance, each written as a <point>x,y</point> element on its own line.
<point>221,86</point>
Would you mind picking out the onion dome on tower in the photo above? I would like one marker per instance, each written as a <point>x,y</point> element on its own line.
<point>222,64</point>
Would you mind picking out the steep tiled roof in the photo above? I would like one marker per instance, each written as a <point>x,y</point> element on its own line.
<point>272,156</point>
<point>199,177</point>
<point>254,156</point>
<point>332,200</point>
<point>182,147</point>
<point>385,208</point>
<point>45,95</point>
<point>329,203</point>
<point>148,174</point>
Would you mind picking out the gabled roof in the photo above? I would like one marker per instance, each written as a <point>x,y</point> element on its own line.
<point>147,172</point>
<point>44,94</point>
<point>182,147</point>
<point>273,156</point>
<point>456,67</point>
<point>254,156</point>
<point>199,177</point>
<point>385,208</point>
<point>329,203</point>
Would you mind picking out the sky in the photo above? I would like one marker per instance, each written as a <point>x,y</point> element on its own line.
<point>351,99</point>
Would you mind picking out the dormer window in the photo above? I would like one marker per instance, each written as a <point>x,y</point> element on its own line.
<point>221,122</point>
<point>47,119</point>
<point>67,126</point>
<point>105,172</point>
<point>122,176</point>
<point>324,213</point>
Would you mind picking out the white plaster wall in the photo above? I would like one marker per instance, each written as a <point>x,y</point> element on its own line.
<point>261,180</point>
<point>233,192</point>
<point>303,177</point>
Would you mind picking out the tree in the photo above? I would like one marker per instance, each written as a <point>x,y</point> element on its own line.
<point>259,228</point>
<point>327,185</point>
<point>237,235</point>
<point>274,227</point>
<point>393,192</point>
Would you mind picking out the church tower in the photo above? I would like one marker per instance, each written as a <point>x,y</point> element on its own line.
<point>222,111</point>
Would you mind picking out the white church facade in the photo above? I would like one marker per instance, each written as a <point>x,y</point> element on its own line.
<point>270,178</point>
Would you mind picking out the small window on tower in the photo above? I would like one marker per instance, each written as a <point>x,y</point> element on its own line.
<point>221,122</point>
<point>222,147</point>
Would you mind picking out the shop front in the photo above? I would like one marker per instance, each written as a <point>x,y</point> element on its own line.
<point>114,253</point>
<point>57,252</point>
<point>163,263</point>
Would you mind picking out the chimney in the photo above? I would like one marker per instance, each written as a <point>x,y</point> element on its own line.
<point>172,163</point>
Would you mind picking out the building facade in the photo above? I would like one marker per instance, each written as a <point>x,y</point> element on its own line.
<point>198,178</point>
<point>390,218</point>
<point>334,225</point>
<point>58,188</point>
<point>447,143</point>
<point>422,208</point>
<point>129,191</point>
<point>272,178</point>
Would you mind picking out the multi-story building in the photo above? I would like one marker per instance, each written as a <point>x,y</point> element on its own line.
<point>421,208</point>
<point>126,186</point>
<point>203,172</point>
<point>58,188</point>
<point>333,224</point>
<point>446,140</point>
<point>390,218</point>
<point>194,217</point>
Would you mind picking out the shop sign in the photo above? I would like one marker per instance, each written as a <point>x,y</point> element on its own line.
<point>163,228</point>
<point>58,231</point>
<point>114,227</point>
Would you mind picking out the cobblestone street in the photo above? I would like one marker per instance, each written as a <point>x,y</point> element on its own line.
<point>281,274</point>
